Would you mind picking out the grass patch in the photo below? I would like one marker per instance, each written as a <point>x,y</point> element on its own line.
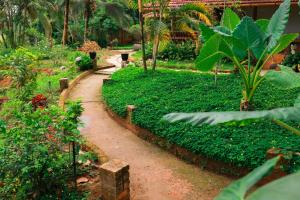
<point>158,93</point>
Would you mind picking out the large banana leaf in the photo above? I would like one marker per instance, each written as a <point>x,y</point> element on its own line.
<point>278,23</point>
<point>284,42</point>
<point>206,32</point>
<point>286,188</point>
<point>214,118</point>
<point>286,78</point>
<point>213,50</point>
<point>238,189</point>
<point>250,35</point>
<point>230,19</point>
<point>263,24</point>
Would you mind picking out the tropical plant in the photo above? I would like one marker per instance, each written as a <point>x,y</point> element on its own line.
<point>285,78</point>
<point>187,19</point>
<point>284,188</point>
<point>246,42</point>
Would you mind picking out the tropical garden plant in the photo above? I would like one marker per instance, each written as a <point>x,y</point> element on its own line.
<point>248,44</point>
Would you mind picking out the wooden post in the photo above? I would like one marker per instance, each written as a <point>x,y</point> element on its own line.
<point>141,18</point>
<point>64,84</point>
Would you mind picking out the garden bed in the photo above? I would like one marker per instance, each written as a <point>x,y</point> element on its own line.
<point>158,93</point>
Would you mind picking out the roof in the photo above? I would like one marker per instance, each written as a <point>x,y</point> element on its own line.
<point>221,3</point>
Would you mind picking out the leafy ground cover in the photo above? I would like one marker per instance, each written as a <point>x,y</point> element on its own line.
<point>165,91</point>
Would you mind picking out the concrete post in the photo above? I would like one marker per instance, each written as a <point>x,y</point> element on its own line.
<point>115,182</point>
<point>130,109</point>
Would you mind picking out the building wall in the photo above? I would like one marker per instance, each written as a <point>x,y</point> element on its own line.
<point>267,11</point>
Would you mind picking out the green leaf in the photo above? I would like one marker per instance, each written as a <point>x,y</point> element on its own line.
<point>222,31</point>
<point>278,24</point>
<point>214,118</point>
<point>263,24</point>
<point>238,189</point>
<point>212,51</point>
<point>284,42</point>
<point>250,35</point>
<point>286,188</point>
<point>206,32</point>
<point>286,78</point>
<point>230,19</point>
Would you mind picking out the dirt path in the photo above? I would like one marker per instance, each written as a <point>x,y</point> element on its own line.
<point>154,173</point>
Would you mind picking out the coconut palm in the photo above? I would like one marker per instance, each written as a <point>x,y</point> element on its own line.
<point>187,19</point>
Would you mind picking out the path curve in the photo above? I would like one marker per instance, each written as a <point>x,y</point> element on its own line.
<point>154,173</point>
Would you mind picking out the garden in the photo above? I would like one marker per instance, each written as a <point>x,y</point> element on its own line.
<point>200,77</point>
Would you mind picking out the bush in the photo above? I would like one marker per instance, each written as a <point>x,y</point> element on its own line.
<point>33,154</point>
<point>84,63</point>
<point>158,93</point>
<point>175,51</point>
<point>292,60</point>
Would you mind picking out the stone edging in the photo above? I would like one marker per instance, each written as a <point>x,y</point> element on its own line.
<point>199,160</point>
<point>103,158</point>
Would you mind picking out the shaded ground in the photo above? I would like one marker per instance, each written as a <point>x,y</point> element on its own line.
<point>154,173</point>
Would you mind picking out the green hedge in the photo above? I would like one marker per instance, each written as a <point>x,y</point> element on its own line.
<point>166,91</point>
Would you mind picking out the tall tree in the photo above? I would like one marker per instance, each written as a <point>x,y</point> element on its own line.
<point>141,18</point>
<point>66,22</point>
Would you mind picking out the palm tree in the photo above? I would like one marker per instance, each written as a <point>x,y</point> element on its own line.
<point>89,8</point>
<point>187,19</point>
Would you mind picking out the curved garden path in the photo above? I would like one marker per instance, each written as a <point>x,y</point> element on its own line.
<point>154,173</point>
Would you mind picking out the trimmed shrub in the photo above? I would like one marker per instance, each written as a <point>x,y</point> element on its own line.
<point>158,93</point>
<point>84,62</point>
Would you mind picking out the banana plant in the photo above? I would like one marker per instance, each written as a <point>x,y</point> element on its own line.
<point>248,44</point>
<point>285,79</point>
<point>285,188</point>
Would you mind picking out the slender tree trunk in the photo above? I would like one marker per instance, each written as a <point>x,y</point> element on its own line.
<point>141,18</point>
<point>66,23</point>
<point>86,20</point>
<point>4,40</point>
<point>156,42</point>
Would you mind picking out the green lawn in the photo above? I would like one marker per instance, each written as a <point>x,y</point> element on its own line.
<point>158,93</point>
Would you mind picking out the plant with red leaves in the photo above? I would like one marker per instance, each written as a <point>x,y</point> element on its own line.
<point>39,101</point>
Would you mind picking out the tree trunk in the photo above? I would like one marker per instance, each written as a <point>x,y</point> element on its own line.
<point>86,20</point>
<point>66,23</point>
<point>155,51</point>
<point>141,18</point>
<point>156,40</point>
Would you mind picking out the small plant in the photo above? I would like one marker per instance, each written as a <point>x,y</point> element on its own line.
<point>293,60</point>
<point>84,63</point>
<point>39,101</point>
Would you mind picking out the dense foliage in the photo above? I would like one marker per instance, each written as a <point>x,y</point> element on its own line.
<point>175,51</point>
<point>159,93</point>
<point>33,154</point>
<point>292,60</point>
<point>84,62</point>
